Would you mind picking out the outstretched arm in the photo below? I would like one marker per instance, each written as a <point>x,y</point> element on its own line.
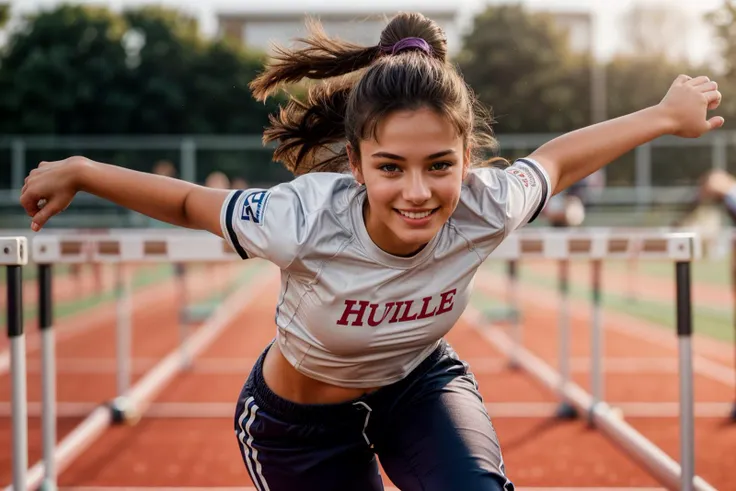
<point>683,112</point>
<point>163,198</point>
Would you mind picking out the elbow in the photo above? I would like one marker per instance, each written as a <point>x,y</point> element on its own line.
<point>183,217</point>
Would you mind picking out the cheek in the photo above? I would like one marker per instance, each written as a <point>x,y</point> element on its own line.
<point>449,193</point>
<point>381,195</point>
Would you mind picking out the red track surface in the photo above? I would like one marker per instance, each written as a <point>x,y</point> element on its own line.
<point>539,450</point>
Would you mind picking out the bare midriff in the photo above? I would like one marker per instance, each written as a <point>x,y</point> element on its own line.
<point>286,382</point>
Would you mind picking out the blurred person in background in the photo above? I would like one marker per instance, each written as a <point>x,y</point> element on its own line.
<point>217,180</point>
<point>239,183</point>
<point>567,209</point>
<point>719,186</point>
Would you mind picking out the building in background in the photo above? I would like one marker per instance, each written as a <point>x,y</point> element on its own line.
<point>258,28</point>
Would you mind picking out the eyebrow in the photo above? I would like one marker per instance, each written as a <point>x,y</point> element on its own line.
<point>392,156</point>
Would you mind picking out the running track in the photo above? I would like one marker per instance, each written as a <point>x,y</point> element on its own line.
<point>170,449</point>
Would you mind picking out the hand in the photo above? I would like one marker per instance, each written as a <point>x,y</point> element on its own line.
<point>50,188</point>
<point>716,184</point>
<point>687,103</point>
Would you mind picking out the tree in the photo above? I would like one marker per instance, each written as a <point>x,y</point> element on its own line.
<point>64,72</point>
<point>521,65</point>
<point>83,70</point>
<point>79,70</point>
<point>4,14</point>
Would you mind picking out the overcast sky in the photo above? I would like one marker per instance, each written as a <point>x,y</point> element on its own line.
<point>608,32</point>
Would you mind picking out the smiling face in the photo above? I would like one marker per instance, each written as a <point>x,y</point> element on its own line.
<point>413,172</point>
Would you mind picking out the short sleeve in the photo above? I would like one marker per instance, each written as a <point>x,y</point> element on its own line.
<point>265,223</point>
<point>504,199</point>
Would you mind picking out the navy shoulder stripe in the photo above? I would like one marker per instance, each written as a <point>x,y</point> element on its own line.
<point>229,224</point>
<point>545,188</point>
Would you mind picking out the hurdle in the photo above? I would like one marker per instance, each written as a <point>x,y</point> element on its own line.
<point>595,244</point>
<point>14,255</point>
<point>121,248</point>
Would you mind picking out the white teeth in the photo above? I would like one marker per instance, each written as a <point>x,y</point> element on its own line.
<point>416,216</point>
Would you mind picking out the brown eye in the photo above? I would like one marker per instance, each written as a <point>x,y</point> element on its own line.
<point>390,168</point>
<point>440,166</point>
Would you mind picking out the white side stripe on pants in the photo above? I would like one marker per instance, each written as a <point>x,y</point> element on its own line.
<point>251,453</point>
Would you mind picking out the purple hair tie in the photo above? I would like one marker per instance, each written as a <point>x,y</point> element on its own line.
<point>407,43</point>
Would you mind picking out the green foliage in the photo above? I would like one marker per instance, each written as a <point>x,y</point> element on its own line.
<point>4,14</point>
<point>80,70</point>
<point>85,70</point>
<point>65,72</point>
<point>521,65</point>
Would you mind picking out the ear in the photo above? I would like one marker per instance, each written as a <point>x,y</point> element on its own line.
<point>466,162</point>
<point>355,167</point>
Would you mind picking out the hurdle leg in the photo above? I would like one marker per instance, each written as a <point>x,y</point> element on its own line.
<point>513,301</point>
<point>180,276</point>
<point>14,254</point>
<point>596,337</point>
<point>123,331</point>
<point>48,374</point>
<point>565,409</point>
<point>684,336</point>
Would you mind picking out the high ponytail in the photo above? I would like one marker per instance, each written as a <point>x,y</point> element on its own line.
<point>359,86</point>
<point>322,58</point>
<point>311,134</point>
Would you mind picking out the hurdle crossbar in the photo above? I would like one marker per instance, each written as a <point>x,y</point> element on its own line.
<point>595,244</point>
<point>119,246</point>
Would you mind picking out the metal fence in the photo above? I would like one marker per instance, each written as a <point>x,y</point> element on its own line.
<point>663,172</point>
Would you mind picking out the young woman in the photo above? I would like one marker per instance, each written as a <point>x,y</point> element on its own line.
<point>377,251</point>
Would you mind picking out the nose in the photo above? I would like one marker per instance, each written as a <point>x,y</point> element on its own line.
<point>416,190</point>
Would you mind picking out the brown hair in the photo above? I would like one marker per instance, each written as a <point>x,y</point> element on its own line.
<point>360,86</point>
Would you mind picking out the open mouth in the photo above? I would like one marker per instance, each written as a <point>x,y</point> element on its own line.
<point>416,215</point>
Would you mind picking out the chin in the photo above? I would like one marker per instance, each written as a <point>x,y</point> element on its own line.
<point>416,239</point>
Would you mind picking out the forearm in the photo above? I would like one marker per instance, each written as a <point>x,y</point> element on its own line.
<point>573,156</point>
<point>158,197</point>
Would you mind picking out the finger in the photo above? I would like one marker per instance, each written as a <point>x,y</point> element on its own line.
<point>29,202</point>
<point>713,98</point>
<point>694,82</point>
<point>716,122</point>
<point>681,79</point>
<point>40,219</point>
<point>707,87</point>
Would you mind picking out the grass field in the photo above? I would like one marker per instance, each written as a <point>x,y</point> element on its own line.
<point>141,279</point>
<point>716,322</point>
<point>709,272</point>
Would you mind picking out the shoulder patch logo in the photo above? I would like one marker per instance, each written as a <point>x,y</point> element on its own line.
<point>254,207</point>
<point>525,175</point>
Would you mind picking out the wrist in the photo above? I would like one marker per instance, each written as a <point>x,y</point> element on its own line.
<point>663,120</point>
<point>81,168</point>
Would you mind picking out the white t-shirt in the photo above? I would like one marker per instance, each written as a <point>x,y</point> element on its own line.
<point>349,313</point>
